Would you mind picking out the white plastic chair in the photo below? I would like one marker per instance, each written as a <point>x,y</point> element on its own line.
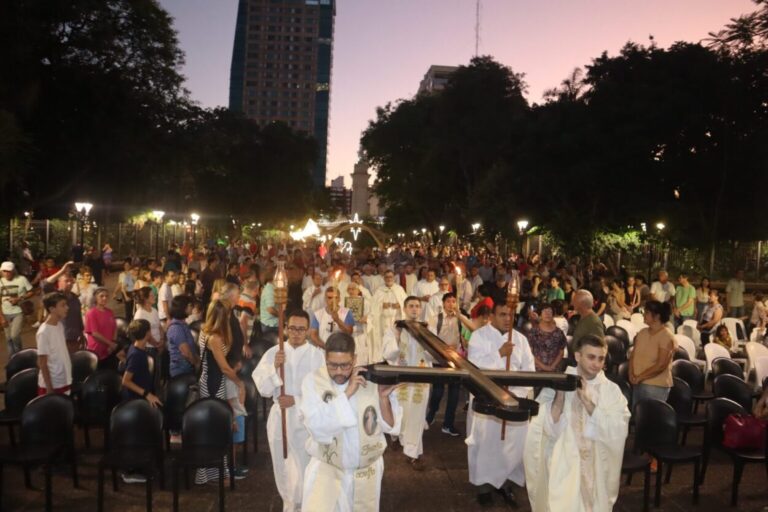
<point>733,325</point>
<point>629,327</point>
<point>692,323</point>
<point>757,334</point>
<point>608,321</point>
<point>692,333</point>
<point>638,321</point>
<point>712,351</point>
<point>761,369</point>
<point>754,352</point>
<point>686,343</point>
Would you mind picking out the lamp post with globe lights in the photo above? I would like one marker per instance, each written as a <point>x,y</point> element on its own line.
<point>522,225</point>
<point>195,219</point>
<point>82,209</point>
<point>157,215</point>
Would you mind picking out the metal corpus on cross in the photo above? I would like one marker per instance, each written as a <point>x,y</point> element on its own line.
<point>486,385</point>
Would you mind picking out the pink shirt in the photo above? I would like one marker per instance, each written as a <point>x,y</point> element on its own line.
<point>102,322</point>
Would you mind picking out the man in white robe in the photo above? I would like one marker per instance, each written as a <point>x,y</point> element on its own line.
<point>346,417</point>
<point>424,290</point>
<point>299,359</point>
<point>575,445</point>
<point>401,349</point>
<point>313,298</point>
<point>493,462</point>
<point>332,318</point>
<point>435,304</point>
<point>386,307</point>
<point>410,279</point>
<point>362,327</point>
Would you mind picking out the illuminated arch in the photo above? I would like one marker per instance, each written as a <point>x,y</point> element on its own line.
<point>378,236</point>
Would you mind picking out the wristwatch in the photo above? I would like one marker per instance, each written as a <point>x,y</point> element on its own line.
<point>146,392</point>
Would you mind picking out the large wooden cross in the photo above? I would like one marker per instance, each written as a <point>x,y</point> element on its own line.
<point>486,385</point>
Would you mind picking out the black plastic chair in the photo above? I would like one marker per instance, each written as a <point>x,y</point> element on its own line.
<point>252,419</point>
<point>137,444</point>
<point>726,366</point>
<point>633,463</point>
<point>616,351</point>
<point>206,435</point>
<point>656,433</point>
<point>681,399</point>
<point>100,393</point>
<point>21,389</point>
<point>623,371</point>
<point>681,353</point>
<point>84,364</point>
<point>179,393</point>
<point>717,411</point>
<point>619,333</point>
<point>46,434</point>
<point>259,348</point>
<point>694,377</point>
<point>21,360</point>
<point>733,388</point>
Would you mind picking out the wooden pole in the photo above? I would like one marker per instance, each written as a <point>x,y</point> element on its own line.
<point>513,298</point>
<point>280,282</point>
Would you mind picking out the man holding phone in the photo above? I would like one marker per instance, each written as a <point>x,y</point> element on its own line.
<point>332,318</point>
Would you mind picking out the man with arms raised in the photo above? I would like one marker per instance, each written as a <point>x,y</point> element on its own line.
<point>401,349</point>
<point>386,307</point>
<point>347,418</point>
<point>575,444</point>
<point>332,318</point>
<point>493,462</point>
<point>299,359</point>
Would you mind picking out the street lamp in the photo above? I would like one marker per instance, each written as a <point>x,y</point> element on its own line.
<point>158,215</point>
<point>82,209</point>
<point>195,218</point>
<point>475,227</point>
<point>522,225</point>
<point>660,226</point>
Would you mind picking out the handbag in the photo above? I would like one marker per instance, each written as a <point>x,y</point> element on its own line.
<point>744,432</point>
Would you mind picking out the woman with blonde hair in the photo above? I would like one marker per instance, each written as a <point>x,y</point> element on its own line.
<point>218,286</point>
<point>215,343</point>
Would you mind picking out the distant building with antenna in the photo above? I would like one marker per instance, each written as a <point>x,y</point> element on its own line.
<point>436,78</point>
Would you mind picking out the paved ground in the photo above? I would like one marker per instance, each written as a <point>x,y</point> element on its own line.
<point>442,486</point>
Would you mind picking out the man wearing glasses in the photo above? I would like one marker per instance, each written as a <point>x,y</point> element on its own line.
<point>299,359</point>
<point>347,418</point>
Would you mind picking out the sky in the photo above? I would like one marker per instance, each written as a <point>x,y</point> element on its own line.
<point>382,48</point>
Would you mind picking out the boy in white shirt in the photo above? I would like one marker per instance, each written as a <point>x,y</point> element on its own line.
<point>53,359</point>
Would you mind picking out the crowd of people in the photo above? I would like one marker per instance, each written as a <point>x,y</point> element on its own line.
<point>342,310</point>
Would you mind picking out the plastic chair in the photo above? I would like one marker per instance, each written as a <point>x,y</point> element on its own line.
<point>761,370</point>
<point>656,433</point>
<point>179,393</point>
<point>717,411</point>
<point>694,377</point>
<point>633,463</point>
<point>619,333</point>
<point>206,441</point>
<point>712,351</point>
<point>687,344</point>
<point>100,393</point>
<point>629,327</point>
<point>21,389</point>
<point>726,366</point>
<point>754,350</point>
<point>608,321</point>
<point>84,364</point>
<point>252,419</point>
<point>137,433</point>
<point>638,321</point>
<point>617,352</point>
<point>733,388</point>
<point>681,399</point>
<point>46,433</point>
<point>21,360</point>
<point>735,328</point>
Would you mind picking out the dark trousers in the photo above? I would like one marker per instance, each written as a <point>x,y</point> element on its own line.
<point>128,311</point>
<point>450,407</point>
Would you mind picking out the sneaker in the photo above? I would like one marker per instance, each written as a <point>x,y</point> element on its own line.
<point>36,324</point>
<point>240,474</point>
<point>451,431</point>
<point>242,469</point>
<point>176,439</point>
<point>134,478</point>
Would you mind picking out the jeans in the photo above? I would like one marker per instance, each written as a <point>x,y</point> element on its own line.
<point>450,407</point>
<point>736,311</point>
<point>13,332</point>
<point>648,391</point>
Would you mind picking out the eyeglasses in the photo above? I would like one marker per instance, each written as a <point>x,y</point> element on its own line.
<point>339,366</point>
<point>296,329</point>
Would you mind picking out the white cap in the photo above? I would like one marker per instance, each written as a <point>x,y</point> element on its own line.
<point>7,266</point>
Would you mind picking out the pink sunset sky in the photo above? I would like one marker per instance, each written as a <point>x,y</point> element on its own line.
<point>382,48</point>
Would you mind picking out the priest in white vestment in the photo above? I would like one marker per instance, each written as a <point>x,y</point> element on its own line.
<point>346,417</point>
<point>386,307</point>
<point>424,290</point>
<point>329,319</point>
<point>401,349</point>
<point>362,327</point>
<point>299,359</point>
<point>575,445</point>
<point>410,279</point>
<point>493,462</point>
<point>435,303</point>
<point>313,297</point>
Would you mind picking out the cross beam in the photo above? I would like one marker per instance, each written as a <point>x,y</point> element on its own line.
<point>486,385</point>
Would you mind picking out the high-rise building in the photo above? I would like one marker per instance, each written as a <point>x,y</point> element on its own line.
<point>436,78</point>
<point>281,67</point>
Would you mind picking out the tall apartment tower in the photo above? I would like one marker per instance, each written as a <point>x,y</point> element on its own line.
<point>281,67</point>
